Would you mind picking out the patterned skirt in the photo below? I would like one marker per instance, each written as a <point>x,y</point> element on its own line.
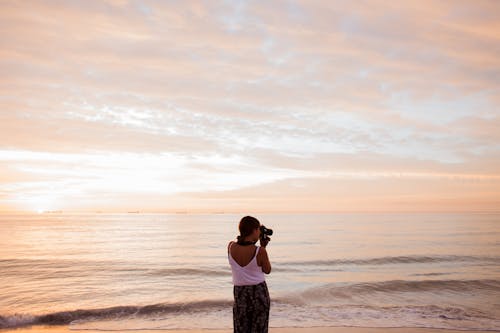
<point>251,308</point>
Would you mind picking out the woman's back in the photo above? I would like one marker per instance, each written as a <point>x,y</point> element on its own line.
<point>242,254</point>
<point>244,264</point>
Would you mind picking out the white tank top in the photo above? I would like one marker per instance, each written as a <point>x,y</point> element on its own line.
<point>247,275</point>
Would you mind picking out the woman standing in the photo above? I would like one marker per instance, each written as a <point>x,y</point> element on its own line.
<point>248,265</point>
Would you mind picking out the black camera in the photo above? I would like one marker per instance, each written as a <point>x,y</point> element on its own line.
<point>265,233</point>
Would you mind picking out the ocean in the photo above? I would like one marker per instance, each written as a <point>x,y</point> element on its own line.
<point>171,271</point>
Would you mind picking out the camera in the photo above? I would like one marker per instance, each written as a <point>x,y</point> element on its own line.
<point>265,233</point>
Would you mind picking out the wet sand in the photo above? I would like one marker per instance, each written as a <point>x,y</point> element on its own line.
<point>66,329</point>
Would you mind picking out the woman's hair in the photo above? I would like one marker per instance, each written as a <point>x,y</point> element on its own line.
<point>247,225</point>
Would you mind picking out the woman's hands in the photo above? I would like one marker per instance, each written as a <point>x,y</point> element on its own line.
<point>264,241</point>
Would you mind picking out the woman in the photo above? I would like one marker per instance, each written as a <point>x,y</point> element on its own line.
<point>248,265</point>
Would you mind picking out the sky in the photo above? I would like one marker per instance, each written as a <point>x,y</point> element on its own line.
<point>250,106</point>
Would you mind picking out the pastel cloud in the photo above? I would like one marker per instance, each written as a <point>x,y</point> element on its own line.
<point>205,104</point>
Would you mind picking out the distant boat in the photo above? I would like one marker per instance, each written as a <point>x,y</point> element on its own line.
<point>134,212</point>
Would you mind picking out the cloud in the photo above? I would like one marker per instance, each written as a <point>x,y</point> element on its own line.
<point>369,194</point>
<point>246,94</point>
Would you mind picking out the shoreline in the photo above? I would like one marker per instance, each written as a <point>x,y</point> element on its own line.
<point>319,329</point>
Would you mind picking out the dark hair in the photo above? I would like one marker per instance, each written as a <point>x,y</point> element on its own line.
<point>247,225</point>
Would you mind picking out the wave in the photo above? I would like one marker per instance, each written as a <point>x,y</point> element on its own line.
<point>40,264</point>
<point>66,317</point>
<point>336,291</point>
<point>57,268</point>
<point>397,260</point>
<point>188,271</point>
<point>305,297</point>
<point>206,272</point>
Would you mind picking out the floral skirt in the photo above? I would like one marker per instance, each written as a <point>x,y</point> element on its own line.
<point>251,308</point>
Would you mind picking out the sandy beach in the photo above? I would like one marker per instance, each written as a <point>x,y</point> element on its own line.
<point>65,329</point>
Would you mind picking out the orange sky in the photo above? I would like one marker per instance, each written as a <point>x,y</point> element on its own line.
<point>282,106</point>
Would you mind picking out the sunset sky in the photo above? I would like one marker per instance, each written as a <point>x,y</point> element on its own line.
<point>268,106</point>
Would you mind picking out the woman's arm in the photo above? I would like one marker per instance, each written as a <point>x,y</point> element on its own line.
<point>264,260</point>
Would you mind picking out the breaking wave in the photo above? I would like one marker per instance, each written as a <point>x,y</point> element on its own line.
<point>308,296</point>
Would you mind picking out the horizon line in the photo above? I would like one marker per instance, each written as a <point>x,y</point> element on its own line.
<point>255,212</point>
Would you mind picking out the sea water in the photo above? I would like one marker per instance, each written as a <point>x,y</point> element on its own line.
<point>146,271</point>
